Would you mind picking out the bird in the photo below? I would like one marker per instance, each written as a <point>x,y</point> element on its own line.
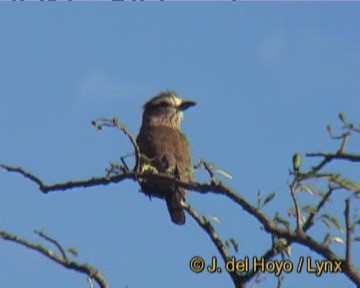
<point>164,146</point>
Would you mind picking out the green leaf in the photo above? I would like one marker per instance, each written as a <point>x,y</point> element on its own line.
<point>223,173</point>
<point>307,189</point>
<point>342,117</point>
<point>291,212</point>
<point>326,222</point>
<point>326,240</point>
<point>296,162</point>
<point>73,251</point>
<point>115,120</point>
<point>337,240</point>
<point>328,129</point>
<point>269,198</point>
<point>309,209</point>
<point>347,184</point>
<point>282,221</point>
<point>233,243</point>
<point>329,218</point>
<point>258,198</point>
<point>215,219</point>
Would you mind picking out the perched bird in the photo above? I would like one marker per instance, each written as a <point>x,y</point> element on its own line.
<point>166,149</point>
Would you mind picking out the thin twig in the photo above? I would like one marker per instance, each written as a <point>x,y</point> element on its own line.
<point>310,220</point>
<point>100,122</point>
<point>90,282</point>
<point>348,232</point>
<point>344,142</point>
<point>296,205</point>
<point>257,280</point>
<point>53,241</point>
<point>136,147</point>
<point>26,174</point>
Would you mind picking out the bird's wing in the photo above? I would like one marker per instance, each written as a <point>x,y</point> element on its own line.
<point>168,152</point>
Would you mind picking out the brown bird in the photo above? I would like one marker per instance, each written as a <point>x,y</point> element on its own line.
<point>166,148</point>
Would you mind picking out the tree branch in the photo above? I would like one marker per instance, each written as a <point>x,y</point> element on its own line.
<point>296,205</point>
<point>216,187</point>
<point>337,156</point>
<point>84,268</point>
<point>209,229</point>
<point>114,123</point>
<point>53,241</point>
<point>348,232</point>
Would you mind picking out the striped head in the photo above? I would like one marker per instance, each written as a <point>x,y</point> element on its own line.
<point>166,109</point>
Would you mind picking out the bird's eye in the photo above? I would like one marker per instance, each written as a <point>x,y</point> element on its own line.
<point>162,105</point>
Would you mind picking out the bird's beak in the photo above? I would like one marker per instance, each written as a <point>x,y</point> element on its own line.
<point>185,104</point>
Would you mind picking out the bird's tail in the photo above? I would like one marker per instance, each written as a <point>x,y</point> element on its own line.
<point>176,211</point>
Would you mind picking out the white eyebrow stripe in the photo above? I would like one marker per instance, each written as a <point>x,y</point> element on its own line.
<point>175,100</point>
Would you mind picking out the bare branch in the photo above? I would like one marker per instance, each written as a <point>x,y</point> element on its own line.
<point>53,241</point>
<point>206,225</point>
<point>94,181</point>
<point>100,122</point>
<point>348,232</point>
<point>84,268</point>
<point>296,205</point>
<point>331,156</point>
<point>310,220</point>
<point>344,142</point>
<point>216,187</point>
<point>26,174</point>
<point>210,230</point>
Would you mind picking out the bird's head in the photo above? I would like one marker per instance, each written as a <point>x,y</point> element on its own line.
<point>166,109</point>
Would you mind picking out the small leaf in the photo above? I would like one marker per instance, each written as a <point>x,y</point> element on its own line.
<point>326,222</point>
<point>291,212</point>
<point>149,169</point>
<point>278,219</point>
<point>215,219</point>
<point>258,198</point>
<point>115,120</point>
<point>73,251</point>
<point>281,243</point>
<point>269,198</point>
<point>347,184</point>
<point>307,189</point>
<point>326,240</point>
<point>234,244</point>
<point>302,219</point>
<point>337,240</point>
<point>309,209</point>
<point>328,129</point>
<point>342,117</point>
<point>296,162</point>
<point>288,251</point>
<point>319,192</point>
<point>223,173</point>
<point>333,220</point>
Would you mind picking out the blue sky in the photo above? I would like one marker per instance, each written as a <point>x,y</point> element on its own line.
<point>268,78</point>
